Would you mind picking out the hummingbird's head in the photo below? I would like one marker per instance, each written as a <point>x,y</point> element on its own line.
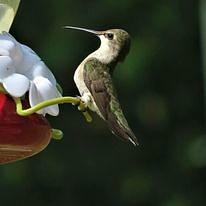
<point>118,42</point>
<point>115,43</point>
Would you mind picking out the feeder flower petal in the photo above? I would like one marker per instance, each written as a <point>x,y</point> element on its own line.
<point>29,60</point>
<point>5,67</point>
<point>42,89</point>
<point>22,70</point>
<point>42,70</point>
<point>16,84</point>
<point>6,43</point>
<point>4,52</point>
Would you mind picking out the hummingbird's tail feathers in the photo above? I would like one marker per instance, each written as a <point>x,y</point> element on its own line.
<point>133,142</point>
<point>120,131</point>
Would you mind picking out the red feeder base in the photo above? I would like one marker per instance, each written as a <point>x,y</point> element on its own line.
<point>20,137</point>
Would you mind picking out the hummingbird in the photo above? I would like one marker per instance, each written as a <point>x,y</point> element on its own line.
<point>93,78</point>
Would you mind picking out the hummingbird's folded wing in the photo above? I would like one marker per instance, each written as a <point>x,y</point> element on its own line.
<point>99,82</point>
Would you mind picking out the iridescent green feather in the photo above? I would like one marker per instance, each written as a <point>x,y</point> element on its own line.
<point>99,82</point>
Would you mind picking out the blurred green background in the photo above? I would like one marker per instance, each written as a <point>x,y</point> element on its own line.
<point>160,86</point>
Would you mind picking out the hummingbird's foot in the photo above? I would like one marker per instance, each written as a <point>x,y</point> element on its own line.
<point>77,103</point>
<point>81,104</point>
<point>82,107</point>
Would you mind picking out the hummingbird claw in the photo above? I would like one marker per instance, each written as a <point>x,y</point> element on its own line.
<point>82,106</point>
<point>78,102</point>
<point>84,109</point>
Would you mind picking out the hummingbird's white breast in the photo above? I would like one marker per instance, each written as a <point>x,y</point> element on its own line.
<point>105,54</point>
<point>86,96</point>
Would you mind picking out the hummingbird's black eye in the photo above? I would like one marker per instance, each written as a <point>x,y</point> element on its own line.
<point>109,36</point>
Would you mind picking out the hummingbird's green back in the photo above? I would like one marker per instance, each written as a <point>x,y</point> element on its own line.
<point>99,82</point>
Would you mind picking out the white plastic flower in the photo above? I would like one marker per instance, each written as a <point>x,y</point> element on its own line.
<point>22,70</point>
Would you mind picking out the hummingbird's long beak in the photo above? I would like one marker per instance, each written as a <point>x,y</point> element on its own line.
<point>83,29</point>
